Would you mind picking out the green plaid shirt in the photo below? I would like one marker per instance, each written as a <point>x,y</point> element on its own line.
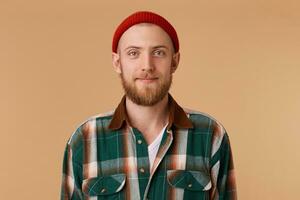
<point>106,158</point>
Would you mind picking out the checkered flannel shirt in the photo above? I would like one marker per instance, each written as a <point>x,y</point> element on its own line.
<point>106,158</point>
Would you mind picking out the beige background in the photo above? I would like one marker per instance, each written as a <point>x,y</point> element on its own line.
<point>240,62</point>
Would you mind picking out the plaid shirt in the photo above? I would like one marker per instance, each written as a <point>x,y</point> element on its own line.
<point>106,158</point>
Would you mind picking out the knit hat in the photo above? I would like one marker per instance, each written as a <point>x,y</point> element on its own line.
<point>145,17</point>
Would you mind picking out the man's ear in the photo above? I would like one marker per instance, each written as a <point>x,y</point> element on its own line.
<point>175,62</point>
<point>116,62</point>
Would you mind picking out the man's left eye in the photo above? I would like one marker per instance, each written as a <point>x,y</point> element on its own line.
<point>159,53</point>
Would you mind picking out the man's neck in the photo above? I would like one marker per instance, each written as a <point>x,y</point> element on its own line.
<point>148,119</point>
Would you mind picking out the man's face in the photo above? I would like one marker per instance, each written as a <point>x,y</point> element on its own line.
<point>145,62</point>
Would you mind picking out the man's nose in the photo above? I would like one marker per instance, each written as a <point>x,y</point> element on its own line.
<point>147,63</point>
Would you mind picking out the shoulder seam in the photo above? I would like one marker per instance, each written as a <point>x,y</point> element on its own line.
<point>94,117</point>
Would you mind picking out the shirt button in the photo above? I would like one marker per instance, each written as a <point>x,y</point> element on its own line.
<point>142,170</point>
<point>190,185</point>
<point>103,190</point>
<point>140,141</point>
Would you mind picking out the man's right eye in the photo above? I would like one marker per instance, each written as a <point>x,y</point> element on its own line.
<point>132,53</point>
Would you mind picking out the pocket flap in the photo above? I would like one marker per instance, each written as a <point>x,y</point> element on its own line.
<point>104,185</point>
<point>190,180</point>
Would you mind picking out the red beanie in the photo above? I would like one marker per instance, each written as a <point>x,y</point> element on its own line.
<point>145,17</point>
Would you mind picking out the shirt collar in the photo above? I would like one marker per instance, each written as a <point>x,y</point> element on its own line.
<point>177,116</point>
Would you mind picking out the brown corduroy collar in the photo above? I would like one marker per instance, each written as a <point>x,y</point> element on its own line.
<point>177,116</point>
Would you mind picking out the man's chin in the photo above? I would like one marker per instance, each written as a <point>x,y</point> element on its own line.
<point>146,102</point>
<point>146,94</point>
<point>147,98</point>
<point>146,86</point>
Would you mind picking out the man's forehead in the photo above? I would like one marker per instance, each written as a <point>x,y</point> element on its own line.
<point>144,26</point>
<point>142,33</point>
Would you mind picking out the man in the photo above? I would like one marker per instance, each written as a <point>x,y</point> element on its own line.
<point>148,147</point>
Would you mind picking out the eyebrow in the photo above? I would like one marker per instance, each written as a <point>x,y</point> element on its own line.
<point>133,47</point>
<point>155,47</point>
<point>160,46</point>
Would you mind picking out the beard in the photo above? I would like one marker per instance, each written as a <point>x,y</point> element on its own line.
<point>148,95</point>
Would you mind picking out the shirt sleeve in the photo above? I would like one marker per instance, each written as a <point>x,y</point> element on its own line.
<point>222,170</point>
<point>71,178</point>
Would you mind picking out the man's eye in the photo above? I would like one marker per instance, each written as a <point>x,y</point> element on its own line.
<point>159,53</point>
<point>132,53</point>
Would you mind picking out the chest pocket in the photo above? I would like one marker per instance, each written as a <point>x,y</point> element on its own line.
<point>104,185</point>
<point>193,182</point>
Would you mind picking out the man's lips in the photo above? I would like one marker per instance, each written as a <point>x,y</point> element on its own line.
<point>147,80</point>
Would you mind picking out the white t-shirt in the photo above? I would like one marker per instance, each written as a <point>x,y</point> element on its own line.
<point>153,147</point>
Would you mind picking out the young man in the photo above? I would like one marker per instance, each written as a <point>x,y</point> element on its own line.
<point>148,147</point>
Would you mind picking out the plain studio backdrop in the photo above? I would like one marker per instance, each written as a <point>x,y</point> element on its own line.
<point>240,62</point>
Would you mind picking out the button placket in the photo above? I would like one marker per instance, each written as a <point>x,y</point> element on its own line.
<point>141,153</point>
